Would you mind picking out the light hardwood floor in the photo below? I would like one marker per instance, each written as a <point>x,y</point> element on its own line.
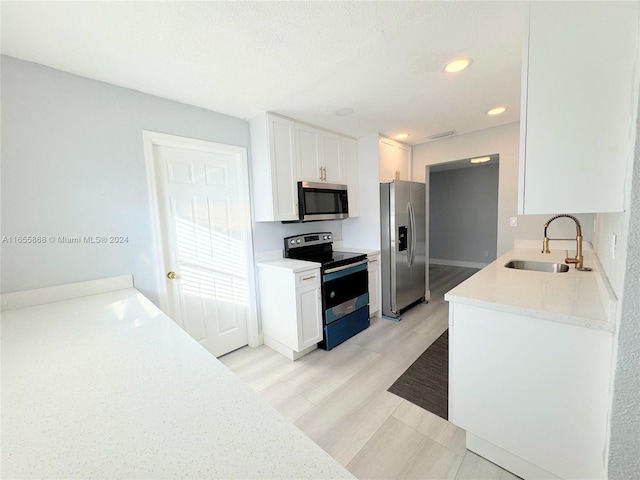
<point>340,399</point>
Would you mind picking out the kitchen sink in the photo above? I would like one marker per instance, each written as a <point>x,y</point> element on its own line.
<point>537,266</point>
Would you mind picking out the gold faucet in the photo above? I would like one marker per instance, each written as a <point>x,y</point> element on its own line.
<point>578,259</point>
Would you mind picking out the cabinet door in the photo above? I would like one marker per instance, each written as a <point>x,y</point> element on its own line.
<point>309,306</point>
<point>309,154</point>
<point>281,158</point>
<point>578,106</point>
<point>387,161</point>
<point>331,147</point>
<point>374,282</point>
<point>403,162</point>
<point>350,161</point>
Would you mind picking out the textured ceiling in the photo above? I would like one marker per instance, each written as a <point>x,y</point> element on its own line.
<point>301,59</point>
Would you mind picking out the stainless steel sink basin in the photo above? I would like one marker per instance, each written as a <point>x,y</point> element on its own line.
<point>537,266</point>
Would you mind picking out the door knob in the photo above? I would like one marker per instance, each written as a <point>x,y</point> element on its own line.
<point>171,275</point>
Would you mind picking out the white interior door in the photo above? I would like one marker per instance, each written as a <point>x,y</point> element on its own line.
<point>204,220</point>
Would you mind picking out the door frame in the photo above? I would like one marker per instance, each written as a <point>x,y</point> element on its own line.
<point>151,139</point>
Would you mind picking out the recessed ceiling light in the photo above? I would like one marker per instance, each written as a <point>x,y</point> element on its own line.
<point>344,112</point>
<point>480,159</point>
<point>497,111</point>
<point>457,64</point>
<point>402,136</point>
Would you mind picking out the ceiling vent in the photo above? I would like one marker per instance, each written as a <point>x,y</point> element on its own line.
<point>448,133</point>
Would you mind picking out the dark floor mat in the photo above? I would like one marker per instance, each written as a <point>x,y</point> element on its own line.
<point>426,382</point>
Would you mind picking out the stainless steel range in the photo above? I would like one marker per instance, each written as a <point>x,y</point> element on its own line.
<point>345,285</point>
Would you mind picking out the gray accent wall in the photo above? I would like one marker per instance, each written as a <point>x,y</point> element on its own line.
<point>73,165</point>
<point>463,214</point>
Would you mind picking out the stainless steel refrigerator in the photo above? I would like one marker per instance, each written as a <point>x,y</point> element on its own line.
<point>403,245</point>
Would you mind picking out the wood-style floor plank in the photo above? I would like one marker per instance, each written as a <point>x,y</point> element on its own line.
<point>340,399</point>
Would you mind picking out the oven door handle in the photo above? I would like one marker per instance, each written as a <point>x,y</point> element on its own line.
<point>344,267</point>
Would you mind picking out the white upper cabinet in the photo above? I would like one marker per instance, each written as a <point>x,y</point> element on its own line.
<point>403,162</point>
<point>319,155</point>
<point>332,157</point>
<point>579,104</point>
<point>310,167</point>
<point>274,168</point>
<point>284,152</point>
<point>350,163</point>
<point>395,160</point>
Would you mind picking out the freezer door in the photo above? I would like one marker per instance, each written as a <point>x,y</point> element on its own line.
<point>419,241</point>
<point>401,294</point>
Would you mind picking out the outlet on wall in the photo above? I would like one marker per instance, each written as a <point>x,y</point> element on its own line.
<point>486,254</point>
<point>513,221</point>
<point>614,240</point>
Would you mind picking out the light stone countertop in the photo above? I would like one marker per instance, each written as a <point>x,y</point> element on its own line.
<point>577,298</point>
<point>107,386</point>
<point>366,251</point>
<point>296,266</point>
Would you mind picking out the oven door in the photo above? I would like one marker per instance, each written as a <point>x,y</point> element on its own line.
<point>344,290</point>
<point>322,201</point>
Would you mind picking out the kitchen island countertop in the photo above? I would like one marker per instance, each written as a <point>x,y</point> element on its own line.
<point>577,298</point>
<point>107,386</point>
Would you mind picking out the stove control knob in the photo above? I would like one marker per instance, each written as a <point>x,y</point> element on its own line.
<point>292,242</point>
<point>332,294</point>
<point>328,237</point>
<point>298,241</point>
<point>325,237</point>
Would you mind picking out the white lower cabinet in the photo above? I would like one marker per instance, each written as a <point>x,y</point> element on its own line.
<point>374,284</point>
<point>532,394</point>
<point>290,307</point>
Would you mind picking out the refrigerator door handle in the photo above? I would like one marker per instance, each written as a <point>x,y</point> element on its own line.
<point>409,235</point>
<point>412,236</point>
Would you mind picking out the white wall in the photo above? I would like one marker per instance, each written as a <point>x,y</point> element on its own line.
<point>504,140</point>
<point>73,164</point>
<point>268,236</point>
<point>624,275</point>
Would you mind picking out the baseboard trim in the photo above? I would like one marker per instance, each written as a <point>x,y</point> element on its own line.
<point>456,263</point>
<point>507,460</point>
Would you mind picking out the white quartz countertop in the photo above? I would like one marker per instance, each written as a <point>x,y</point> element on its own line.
<point>107,386</point>
<point>577,298</point>
<point>366,251</point>
<point>295,266</point>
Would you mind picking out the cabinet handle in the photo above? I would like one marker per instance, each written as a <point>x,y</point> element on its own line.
<point>308,278</point>
<point>324,175</point>
<point>321,174</point>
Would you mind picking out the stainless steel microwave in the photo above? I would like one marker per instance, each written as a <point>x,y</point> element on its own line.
<point>322,201</point>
